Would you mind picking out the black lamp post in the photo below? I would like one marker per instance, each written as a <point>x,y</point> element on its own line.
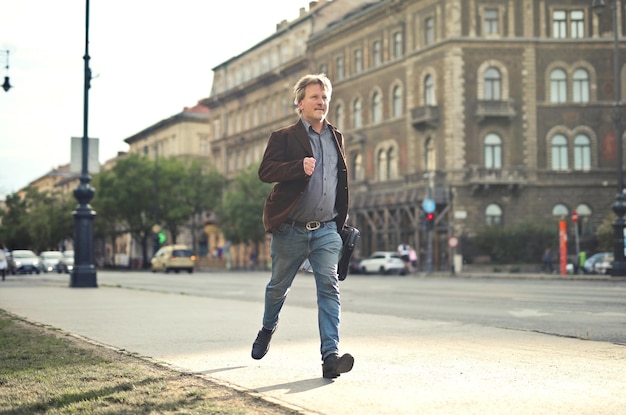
<point>619,262</point>
<point>6,85</point>
<point>84,272</point>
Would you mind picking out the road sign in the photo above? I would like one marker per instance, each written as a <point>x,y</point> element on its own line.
<point>453,242</point>
<point>428,205</point>
<point>574,216</point>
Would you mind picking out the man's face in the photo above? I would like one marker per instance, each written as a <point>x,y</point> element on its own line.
<point>314,105</point>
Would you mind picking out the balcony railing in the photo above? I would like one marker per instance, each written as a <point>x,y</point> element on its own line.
<point>489,108</point>
<point>483,178</point>
<point>427,116</point>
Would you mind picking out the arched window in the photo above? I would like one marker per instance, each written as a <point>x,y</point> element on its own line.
<point>377,108</point>
<point>580,86</point>
<point>382,165</point>
<point>429,91</point>
<point>493,215</point>
<point>560,211</point>
<point>559,152</point>
<point>357,121</point>
<point>493,84</point>
<point>558,86</point>
<point>430,162</point>
<point>358,61</point>
<point>582,152</point>
<point>396,103</point>
<point>392,167</point>
<point>339,116</point>
<point>493,151</point>
<point>357,167</point>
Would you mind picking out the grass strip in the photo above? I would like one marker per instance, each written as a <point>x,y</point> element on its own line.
<point>43,371</point>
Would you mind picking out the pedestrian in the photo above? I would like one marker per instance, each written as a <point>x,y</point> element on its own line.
<point>304,212</point>
<point>413,259</point>
<point>546,263</point>
<point>3,261</point>
<point>404,251</point>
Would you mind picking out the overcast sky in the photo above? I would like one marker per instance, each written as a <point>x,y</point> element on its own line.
<point>149,60</point>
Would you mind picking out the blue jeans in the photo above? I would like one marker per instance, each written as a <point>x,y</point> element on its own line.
<point>291,245</point>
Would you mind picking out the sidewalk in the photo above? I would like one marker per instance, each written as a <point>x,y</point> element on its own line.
<point>403,366</point>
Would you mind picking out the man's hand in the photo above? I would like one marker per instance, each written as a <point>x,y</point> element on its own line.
<point>309,165</point>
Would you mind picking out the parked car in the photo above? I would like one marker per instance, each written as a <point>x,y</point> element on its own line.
<point>605,265</point>
<point>383,262</point>
<point>173,258</point>
<point>590,267</point>
<point>24,261</point>
<point>66,264</point>
<point>50,260</point>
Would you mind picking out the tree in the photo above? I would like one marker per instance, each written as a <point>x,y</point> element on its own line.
<point>242,209</point>
<point>14,230</point>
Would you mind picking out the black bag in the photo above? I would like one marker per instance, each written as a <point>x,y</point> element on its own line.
<point>350,236</point>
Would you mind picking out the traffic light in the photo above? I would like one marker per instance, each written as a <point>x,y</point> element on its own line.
<point>161,238</point>
<point>430,221</point>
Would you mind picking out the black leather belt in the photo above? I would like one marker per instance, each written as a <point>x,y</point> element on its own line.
<point>310,226</point>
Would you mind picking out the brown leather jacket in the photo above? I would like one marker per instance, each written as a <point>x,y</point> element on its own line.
<point>282,164</point>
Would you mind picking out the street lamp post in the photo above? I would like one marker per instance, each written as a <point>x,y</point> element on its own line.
<point>6,85</point>
<point>84,272</point>
<point>619,262</point>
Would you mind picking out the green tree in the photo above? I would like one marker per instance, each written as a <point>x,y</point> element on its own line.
<point>242,209</point>
<point>522,243</point>
<point>604,233</point>
<point>14,230</point>
<point>172,188</point>
<point>50,219</point>
<point>203,193</point>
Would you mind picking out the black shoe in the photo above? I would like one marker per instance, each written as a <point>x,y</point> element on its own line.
<point>334,365</point>
<point>261,345</point>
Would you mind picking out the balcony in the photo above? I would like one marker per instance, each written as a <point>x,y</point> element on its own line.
<point>481,178</point>
<point>494,109</point>
<point>427,116</point>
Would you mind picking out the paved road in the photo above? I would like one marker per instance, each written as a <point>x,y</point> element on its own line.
<point>403,365</point>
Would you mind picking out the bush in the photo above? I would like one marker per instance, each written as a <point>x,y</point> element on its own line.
<point>523,243</point>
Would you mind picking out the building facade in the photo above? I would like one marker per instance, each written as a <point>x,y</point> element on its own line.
<point>498,111</point>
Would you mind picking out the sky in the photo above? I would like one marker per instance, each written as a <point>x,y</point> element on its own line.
<point>149,59</point>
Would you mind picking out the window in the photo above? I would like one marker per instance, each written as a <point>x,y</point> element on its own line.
<point>493,215</point>
<point>577,24</point>
<point>339,116</point>
<point>559,152</point>
<point>357,121</point>
<point>493,84</point>
<point>493,151</point>
<point>429,155</point>
<point>340,68</point>
<point>559,24</point>
<point>396,103</point>
<point>358,60</point>
<point>377,108</point>
<point>324,68</point>
<point>357,167</point>
<point>490,22</point>
<point>429,31</point>
<point>580,86</point>
<point>568,24</point>
<point>429,91</point>
<point>582,152</point>
<point>584,219</point>
<point>383,164</point>
<point>561,211</point>
<point>378,58</point>
<point>398,46</point>
<point>558,86</point>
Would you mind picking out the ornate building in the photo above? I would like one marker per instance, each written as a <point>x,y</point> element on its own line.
<point>498,111</point>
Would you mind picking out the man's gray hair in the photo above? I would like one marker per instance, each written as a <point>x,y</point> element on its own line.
<point>300,87</point>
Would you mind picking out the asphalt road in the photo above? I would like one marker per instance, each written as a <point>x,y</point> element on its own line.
<point>423,345</point>
<point>580,308</point>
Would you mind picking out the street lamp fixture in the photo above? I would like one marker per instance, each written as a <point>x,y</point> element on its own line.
<point>84,272</point>
<point>6,85</point>
<point>619,207</point>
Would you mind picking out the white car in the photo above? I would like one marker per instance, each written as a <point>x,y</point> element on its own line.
<point>50,260</point>
<point>383,262</point>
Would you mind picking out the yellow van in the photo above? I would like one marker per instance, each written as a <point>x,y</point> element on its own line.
<point>173,258</point>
